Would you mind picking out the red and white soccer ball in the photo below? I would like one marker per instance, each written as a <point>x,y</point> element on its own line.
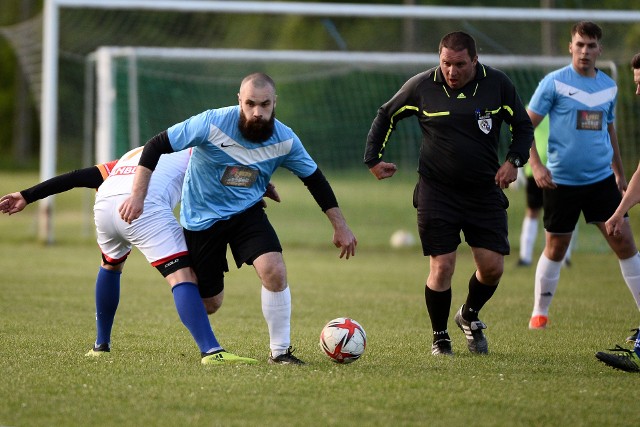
<point>343,340</point>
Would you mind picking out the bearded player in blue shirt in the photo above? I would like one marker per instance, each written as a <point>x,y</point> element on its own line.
<point>584,171</point>
<point>235,151</point>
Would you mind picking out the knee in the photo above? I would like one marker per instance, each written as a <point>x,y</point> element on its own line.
<point>491,277</point>
<point>442,271</point>
<point>274,277</point>
<point>490,274</point>
<point>212,304</point>
<point>211,308</point>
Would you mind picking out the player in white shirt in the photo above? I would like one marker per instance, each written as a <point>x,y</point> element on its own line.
<point>158,235</point>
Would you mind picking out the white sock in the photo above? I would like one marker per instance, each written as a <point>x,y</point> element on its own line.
<point>630,268</point>
<point>276,309</point>
<point>528,238</point>
<point>546,283</point>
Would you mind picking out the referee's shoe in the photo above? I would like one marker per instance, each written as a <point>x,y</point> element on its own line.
<point>476,340</point>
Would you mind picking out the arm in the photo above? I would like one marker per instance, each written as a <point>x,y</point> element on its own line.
<point>133,206</point>
<point>521,136</point>
<point>90,177</point>
<point>322,192</point>
<point>616,162</point>
<point>631,197</point>
<point>400,106</point>
<point>520,124</point>
<point>376,141</point>
<point>343,238</point>
<point>540,172</point>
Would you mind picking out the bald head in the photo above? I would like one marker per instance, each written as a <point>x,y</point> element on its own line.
<point>258,81</point>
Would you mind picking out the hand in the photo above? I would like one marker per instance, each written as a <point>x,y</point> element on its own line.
<point>131,209</point>
<point>272,193</point>
<point>622,184</point>
<point>383,170</point>
<point>12,203</point>
<point>344,239</point>
<point>614,225</point>
<point>506,175</point>
<point>543,177</point>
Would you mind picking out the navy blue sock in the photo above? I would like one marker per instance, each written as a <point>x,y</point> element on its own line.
<point>194,316</point>
<point>107,299</point>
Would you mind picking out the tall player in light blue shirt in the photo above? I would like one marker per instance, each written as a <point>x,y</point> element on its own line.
<point>581,109</point>
<point>235,150</point>
<point>584,172</point>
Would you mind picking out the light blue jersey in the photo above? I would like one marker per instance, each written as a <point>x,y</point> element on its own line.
<point>579,108</point>
<point>227,173</point>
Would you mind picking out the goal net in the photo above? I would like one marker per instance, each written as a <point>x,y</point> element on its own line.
<point>328,98</point>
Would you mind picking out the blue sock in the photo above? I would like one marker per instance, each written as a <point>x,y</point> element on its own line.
<point>107,299</point>
<point>194,316</point>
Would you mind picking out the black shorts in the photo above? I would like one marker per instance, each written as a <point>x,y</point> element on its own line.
<point>248,234</point>
<point>534,194</point>
<point>444,212</point>
<point>563,204</point>
<point>172,264</point>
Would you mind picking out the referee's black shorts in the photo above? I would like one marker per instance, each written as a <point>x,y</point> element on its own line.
<point>444,212</point>
<point>563,204</point>
<point>248,234</point>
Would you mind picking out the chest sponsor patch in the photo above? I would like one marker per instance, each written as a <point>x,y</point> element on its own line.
<point>589,120</point>
<point>239,176</point>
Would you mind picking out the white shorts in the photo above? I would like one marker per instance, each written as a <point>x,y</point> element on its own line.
<point>157,233</point>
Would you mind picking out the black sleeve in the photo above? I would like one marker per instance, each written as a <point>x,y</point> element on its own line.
<point>519,123</point>
<point>154,148</point>
<point>87,177</point>
<point>402,105</point>
<point>321,190</point>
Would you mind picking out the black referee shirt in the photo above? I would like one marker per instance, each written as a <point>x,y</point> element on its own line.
<point>460,127</point>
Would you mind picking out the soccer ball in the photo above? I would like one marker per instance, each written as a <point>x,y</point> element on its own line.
<point>343,340</point>
<point>402,239</point>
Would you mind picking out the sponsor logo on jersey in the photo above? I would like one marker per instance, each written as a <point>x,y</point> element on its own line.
<point>239,176</point>
<point>589,120</point>
<point>124,170</point>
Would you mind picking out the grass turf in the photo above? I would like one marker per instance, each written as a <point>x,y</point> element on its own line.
<point>153,375</point>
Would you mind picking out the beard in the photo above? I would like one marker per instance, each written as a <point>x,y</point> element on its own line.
<point>256,130</point>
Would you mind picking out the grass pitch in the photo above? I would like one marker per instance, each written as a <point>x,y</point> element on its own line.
<point>153,375</point>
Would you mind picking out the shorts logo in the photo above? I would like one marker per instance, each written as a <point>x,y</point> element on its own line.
<point>484,121</point>
<point>170,263</point>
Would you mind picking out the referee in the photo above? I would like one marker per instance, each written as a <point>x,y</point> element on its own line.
<point>460,105</point>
